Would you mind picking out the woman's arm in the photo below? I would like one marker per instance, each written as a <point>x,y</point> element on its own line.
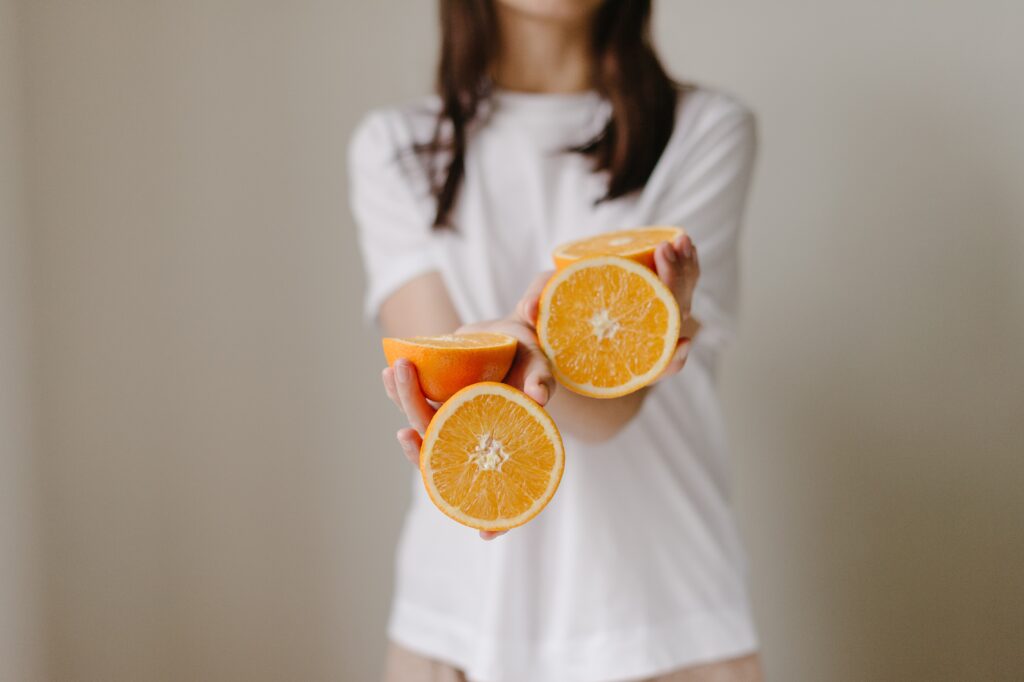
<point>420,307</point>
<point>423,306</point>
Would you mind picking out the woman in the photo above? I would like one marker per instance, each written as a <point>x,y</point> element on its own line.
<point>555,121</point>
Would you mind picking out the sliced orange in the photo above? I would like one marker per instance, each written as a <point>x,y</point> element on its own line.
<point>608,325</point>
<point>492,458</point>
<point>637,244</point>
<point>448,363</point>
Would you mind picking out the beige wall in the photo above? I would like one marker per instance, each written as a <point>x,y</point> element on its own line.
<point>19,644</point>
<point>876,402</point>
<point>220,485</point>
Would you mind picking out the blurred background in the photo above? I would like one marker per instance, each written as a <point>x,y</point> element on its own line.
<point>198,478</point>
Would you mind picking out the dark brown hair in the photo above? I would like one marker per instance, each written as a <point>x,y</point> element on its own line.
<point>625,71</point>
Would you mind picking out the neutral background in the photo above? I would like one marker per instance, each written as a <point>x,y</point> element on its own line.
<point>198,479</point>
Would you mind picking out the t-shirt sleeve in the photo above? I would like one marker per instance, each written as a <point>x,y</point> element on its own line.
<point>704,189</point>
<point>391,209</point>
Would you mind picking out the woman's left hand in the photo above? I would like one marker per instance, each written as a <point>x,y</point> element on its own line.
<point>678,268</point>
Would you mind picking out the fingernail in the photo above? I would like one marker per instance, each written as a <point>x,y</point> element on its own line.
<point>687,247</point>
<point>402,371</point>
<point>671,254</point>
<point>542,394</point>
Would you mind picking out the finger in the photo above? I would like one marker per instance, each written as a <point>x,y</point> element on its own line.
<point>678,268</point>
<point>668,264</point>
<point>678,359</point>
<point>531,372</point>
<point>415,406</point>
<point>410,442</point>
<point>528,305</point>
<point>388,378</point>
<point>686,249</point>
<point>683,245</point>
<point>690,267</point>
<point>491,534</point>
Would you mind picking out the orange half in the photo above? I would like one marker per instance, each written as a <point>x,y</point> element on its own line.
<point>638,243</point>
<point>608,325</point>
<point>491,458</point>
<point>448,363</point>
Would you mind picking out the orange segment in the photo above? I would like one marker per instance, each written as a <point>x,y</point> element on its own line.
<point>448,363</point>
<point>492,458</point>
<point>636,244</point>
<point>608,325</point>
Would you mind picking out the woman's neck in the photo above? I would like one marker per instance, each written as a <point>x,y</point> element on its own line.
<point>542,55</point>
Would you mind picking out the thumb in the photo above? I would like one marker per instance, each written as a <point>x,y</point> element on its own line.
<point>526,309</point>
<point>532,373</point>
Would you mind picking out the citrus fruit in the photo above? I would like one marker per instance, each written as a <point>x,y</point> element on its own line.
<point>608,325</point>
<point>450,362</point>
<point>637,244</point>
<point>491,458</point>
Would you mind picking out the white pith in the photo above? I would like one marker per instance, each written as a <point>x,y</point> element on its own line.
<point>604,326</point>
<point>488,454</point>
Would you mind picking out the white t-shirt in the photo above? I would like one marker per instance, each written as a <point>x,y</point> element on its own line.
<point>635,567</point>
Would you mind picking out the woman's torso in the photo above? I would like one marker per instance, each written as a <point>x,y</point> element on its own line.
<point>638,549</point>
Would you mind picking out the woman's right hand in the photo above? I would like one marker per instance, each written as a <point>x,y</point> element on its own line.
<point>530,373</point>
